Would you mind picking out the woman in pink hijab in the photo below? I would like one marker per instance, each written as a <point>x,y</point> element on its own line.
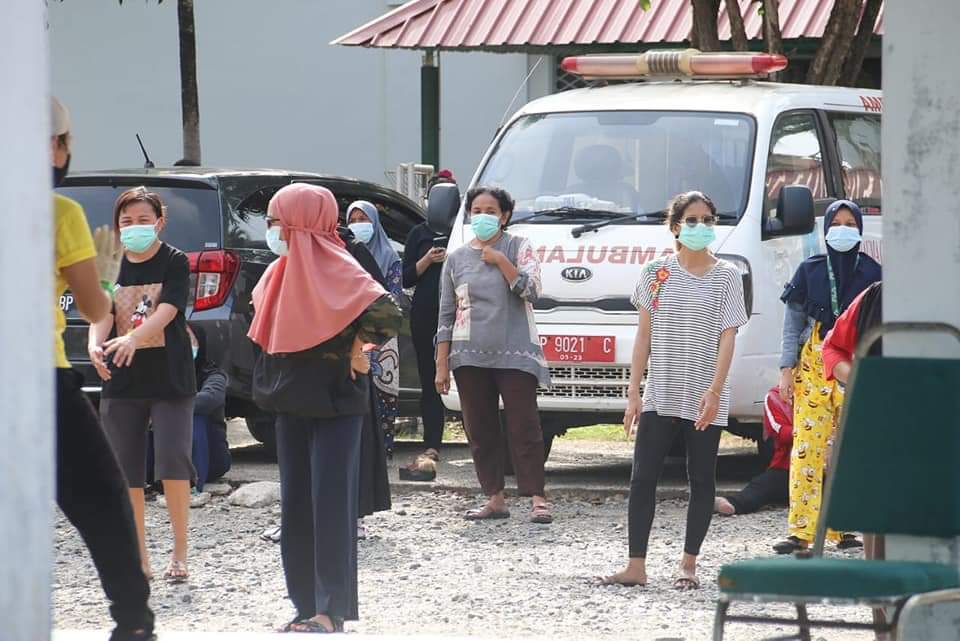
<point>316,310</point>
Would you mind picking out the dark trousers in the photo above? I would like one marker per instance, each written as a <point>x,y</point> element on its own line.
<point>423,327</point>
<point>480,390</point>
<point>655,436</point>
<point>319,479</point>
<point>769,487</point>
<point>92,492</point>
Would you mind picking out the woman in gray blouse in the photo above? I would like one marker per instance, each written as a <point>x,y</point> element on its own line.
<point>488,338</point>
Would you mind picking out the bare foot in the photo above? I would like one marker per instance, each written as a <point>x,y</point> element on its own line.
<point>723,506</point>
<point>630,577</point>
<point>176,572</point>
<point>147,571</point>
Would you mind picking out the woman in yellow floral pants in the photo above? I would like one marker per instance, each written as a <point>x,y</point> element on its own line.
<point>822,287</point>
<point>816,407</point>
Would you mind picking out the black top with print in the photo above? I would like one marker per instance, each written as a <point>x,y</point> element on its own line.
<point>162,367</point>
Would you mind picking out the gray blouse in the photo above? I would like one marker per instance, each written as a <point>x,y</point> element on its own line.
<point>489,322</point>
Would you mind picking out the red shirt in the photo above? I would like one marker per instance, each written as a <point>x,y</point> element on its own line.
<point>841,341</point>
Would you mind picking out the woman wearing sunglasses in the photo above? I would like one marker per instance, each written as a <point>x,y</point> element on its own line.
<point>691,304</point>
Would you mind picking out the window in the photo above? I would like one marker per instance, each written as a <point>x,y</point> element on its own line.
<point>246,199</point>
<point>623,161</point>
<point>193,213</point>
<point>858,144</point>
<point>795,157</point>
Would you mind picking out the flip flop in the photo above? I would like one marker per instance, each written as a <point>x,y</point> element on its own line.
<point>686,583</point>
<point>541,514</point>
<point>789,546</point>
<point>176,572</point>
<point>271,534</point>
<point>485,513</point>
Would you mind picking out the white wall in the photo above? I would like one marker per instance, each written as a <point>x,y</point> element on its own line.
<point>273,93</point>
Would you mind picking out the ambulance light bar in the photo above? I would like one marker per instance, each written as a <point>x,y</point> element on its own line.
<point>687,62</point>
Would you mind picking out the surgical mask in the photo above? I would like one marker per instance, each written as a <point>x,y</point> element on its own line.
<point>138,238</point>
<point>362,231</point>
<point>696,238</point>
<point>485,226</point>
<point>275,243</point>
<point>59,173</point>
<point>842,238</point>
<point>196,351</point>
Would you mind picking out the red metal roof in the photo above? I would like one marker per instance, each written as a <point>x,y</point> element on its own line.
<point>520,24</point>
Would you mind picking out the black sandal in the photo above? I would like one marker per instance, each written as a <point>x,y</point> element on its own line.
<point>119,634</point>
<point>789,546</point>
<point>849,542</point>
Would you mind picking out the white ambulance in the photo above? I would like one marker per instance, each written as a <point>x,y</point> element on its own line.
<point>592,170</point>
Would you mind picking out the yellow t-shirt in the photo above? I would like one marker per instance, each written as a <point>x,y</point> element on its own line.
<point>73,243</point>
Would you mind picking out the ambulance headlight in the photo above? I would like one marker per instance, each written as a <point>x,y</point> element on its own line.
<point>743,266</point>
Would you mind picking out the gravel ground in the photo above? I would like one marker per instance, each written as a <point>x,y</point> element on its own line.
<point>426,571</point>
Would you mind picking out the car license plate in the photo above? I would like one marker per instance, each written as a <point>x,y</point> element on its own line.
<point>579,349</point>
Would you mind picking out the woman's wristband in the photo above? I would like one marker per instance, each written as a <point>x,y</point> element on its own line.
<point>714,392</point>
<point>108,287</point>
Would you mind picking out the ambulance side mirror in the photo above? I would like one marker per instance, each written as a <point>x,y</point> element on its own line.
<point>443,203</point>
<point>795,214</point>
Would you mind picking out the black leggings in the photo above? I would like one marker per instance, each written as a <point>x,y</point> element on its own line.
<point>654,439</point>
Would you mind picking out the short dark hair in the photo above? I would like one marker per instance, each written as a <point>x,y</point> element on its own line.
<point>501,195</point>
<point>137,195</point>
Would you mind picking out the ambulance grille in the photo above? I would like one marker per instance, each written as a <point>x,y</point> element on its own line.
<point>588,382</point>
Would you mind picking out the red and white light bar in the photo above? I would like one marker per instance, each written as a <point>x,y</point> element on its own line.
<point>687,62</point>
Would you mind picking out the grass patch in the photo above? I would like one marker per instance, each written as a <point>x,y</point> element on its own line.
<point>603,432</point>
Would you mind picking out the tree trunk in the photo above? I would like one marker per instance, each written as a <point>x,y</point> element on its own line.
<point>189,95</point>
<point>738,34</point>
<point>705,24</point>
<point>835,44</point>
<point>771,26</point>
<point>858,50</point>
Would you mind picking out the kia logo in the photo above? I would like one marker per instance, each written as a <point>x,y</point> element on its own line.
<point>576,274</point>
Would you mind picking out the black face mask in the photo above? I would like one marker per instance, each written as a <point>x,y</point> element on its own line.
<point>59,173</point>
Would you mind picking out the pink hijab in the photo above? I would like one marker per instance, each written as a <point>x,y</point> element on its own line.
<point>314,292</point>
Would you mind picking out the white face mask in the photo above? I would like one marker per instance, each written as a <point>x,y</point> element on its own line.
<point>362,231</point>
<point>275,243</point>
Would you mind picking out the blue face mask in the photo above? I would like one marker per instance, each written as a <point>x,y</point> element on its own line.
<point>362,231</point>
<point>485,226</point>
<point>138,238</point>
<point>196,350</point>
<point>696,238</point>
<point>842,238</point>
<point>276,245</point>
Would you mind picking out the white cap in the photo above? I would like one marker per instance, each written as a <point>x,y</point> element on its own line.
<point>60,118</point>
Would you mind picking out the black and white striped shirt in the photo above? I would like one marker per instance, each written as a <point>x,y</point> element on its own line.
<point>688,314</point>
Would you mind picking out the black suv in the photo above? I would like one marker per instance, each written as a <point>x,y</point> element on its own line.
<point>217,218</point>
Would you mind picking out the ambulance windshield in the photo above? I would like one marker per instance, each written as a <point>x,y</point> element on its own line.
<point>622,162</point>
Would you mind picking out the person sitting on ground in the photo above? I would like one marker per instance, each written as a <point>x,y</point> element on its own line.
<point>211,453</point>
<point>771,486</point>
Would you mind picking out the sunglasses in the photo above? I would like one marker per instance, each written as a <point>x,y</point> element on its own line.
<point>693,221</point>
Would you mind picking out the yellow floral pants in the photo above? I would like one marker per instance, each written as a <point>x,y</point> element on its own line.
<point>816,408</point>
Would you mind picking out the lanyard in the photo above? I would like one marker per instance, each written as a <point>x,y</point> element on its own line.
<point>834,299</point>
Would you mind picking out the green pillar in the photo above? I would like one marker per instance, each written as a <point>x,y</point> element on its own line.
<point>430,110</point>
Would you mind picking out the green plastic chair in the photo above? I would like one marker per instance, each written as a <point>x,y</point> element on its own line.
<point>896,464</point>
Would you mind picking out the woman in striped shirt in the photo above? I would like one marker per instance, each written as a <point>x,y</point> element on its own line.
<point>691,304</point>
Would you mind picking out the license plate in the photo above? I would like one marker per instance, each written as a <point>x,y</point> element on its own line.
<point>579,349</point>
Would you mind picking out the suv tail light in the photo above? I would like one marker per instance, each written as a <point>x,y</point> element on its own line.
<point>215,272</point>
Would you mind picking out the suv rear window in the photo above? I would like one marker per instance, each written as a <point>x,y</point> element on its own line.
<point>193,222</point>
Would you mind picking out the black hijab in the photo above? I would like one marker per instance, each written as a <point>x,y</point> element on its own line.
<point>854,272</point>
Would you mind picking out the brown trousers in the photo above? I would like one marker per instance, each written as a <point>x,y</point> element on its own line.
<point>480,390</point>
